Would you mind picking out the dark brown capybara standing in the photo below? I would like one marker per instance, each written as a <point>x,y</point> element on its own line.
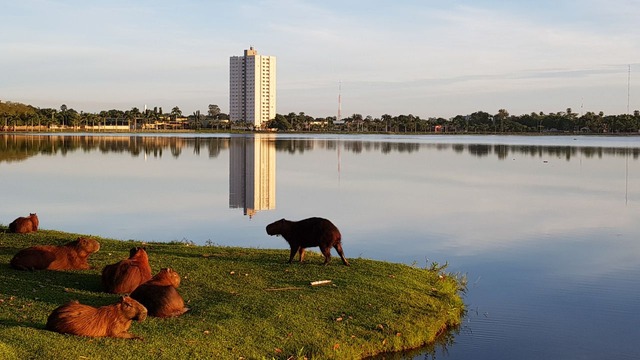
<point>111,320</point>
<point>159,295</point>
<point>24,225</point>
<point>124,276</point>
<point>309,232</point>
<point>73,255</point>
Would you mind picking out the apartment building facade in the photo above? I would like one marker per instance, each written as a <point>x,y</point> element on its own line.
<point>252,88</point>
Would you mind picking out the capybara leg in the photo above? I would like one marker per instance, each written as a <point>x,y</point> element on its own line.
<point>294,250</point>
<point>338,248</point>
<point>301,252</point>
<point>326,251</point>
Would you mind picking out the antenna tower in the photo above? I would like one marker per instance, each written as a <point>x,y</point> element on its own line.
<point>628,88</point>
<point>339,101</point>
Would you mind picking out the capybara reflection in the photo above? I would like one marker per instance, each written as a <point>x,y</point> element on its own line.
<point>23,225</point>
<point>309,232</point>
<point>72,255</point>
<point>159,295</point>
<point>111,320</point>
<point>124,276</point>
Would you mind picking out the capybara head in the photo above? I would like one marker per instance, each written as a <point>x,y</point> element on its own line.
<point>86,244</point>
<point>277,227</point>
<point>34,220</point>
<point>131,309</point>
<point>138,252</point>
<point>167,276</point>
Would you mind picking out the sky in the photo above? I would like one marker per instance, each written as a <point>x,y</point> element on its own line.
<point>422,57</point>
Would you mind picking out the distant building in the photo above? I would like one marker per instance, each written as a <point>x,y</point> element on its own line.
<point>252,88</point>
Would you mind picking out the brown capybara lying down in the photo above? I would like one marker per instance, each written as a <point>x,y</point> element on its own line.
<point>159,295</point>
<point>111,320</point>
<point>23,225</point>
<point>72,255</point>
<point>124,276</point>
<point>309,232</point>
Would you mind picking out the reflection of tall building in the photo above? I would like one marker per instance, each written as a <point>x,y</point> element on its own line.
<point>252,173</point>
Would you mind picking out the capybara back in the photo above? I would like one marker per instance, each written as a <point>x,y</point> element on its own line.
<point>24,225</point>
<point>111,320</point>
<point>73,255</point>
<point>126,275</point>
<point>309,232</point>
<point>159,295</point>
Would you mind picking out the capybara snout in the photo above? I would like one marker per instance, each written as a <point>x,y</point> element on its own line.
<point>275,228</point>
<point>309,232</point>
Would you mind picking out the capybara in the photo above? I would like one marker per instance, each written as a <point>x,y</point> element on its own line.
<point>309,232</point>
<point>23,225</point>
<point>111,320</point>
<point>72,255</point>
<point>124,276</point>
<point>159,295</point>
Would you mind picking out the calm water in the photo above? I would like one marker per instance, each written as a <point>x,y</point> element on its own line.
<point>546,229</point>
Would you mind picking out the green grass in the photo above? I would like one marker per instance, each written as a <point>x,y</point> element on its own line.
<point>245,304</point>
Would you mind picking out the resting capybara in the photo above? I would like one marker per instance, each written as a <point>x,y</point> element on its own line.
<point>72,255</point>
<point>23,225</point>
<point>159,295</point>
<point>111,320</point>
<point>309,232</point>
<point>124,276</point>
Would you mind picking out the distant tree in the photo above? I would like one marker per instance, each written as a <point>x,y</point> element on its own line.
<point>214,110</point>
<point>134,114</point>
<point>63,114</point>
<point>176,112</point>
<point>197,119</point>
<point>501,117</point>
<point>280,123</point>
<point>386,118</point>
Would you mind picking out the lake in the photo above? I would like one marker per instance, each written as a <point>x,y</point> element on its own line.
<point>545,228</point>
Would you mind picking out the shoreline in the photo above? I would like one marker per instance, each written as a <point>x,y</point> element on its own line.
<point>369,308</point>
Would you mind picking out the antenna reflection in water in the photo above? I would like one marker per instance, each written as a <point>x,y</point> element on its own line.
<point>252,173</point>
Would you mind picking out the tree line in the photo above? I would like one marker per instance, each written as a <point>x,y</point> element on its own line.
<point>14,114</point>
<point>479,122</point>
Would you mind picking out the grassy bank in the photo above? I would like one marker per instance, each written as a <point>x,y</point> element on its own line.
<point>245,303</point>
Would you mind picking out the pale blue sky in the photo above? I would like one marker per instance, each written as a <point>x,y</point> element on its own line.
<point>427,58</point>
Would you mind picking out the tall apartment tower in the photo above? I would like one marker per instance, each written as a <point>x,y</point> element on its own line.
<point>252,88</point>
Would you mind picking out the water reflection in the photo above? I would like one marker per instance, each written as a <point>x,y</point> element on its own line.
<point>21,147</point>
<point>252,173</point>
